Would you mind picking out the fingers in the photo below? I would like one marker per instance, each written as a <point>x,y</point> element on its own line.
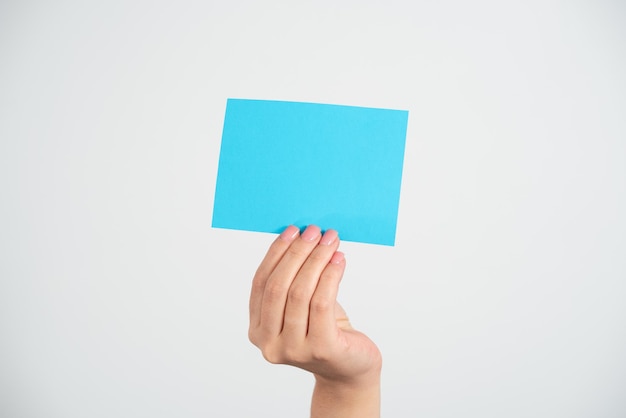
<point>295,288</point>
<point>302,288</point>
<point>271,259</point>
<point>322,320</point>
<point>279,281</point>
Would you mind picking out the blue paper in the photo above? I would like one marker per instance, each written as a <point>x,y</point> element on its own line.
<point>285,163</point>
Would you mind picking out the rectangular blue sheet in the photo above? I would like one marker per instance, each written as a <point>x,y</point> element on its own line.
<point>334,166</point>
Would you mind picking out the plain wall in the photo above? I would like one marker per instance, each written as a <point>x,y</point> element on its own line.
<point>503,297</point>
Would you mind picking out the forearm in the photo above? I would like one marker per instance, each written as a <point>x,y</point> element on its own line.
<point>341,400</point>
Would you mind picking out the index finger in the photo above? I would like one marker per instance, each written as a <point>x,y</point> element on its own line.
<point>271,259</point>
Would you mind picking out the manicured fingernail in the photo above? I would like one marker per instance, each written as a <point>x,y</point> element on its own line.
<point>310,233</point>
<point>289,234</point>
<point>337,258</point>
<point>329,237</point>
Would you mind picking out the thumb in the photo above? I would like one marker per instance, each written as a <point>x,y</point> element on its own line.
<point>343,322</point>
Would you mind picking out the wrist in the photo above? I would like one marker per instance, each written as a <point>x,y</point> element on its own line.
<point>363,381</point>
<point>359,397</point>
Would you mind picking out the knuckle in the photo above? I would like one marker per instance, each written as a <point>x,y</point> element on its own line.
<point>284,353</point>
<point>257,284</point>
<point>320,256</point>
<point>275,291</point>
<point>292,354</point>
<point>272,355</point>
<point>321,305</point>
<point>299,294</point>
<point>298,251</point>
<point>321,355</point>
<point>259,277</point>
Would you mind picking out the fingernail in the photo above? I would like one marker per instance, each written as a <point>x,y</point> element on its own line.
<point>310,233</point>
<point>289,234</point>
<point>329,237</point>
<point>337,258</point>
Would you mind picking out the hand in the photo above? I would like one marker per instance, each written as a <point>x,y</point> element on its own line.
<point>296,320</point>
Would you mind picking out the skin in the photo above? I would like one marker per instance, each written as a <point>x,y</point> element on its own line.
<point>295,319</point>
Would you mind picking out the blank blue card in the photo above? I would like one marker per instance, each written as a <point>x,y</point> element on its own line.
<point>285,163</point>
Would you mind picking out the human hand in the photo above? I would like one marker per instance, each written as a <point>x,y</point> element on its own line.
<point>296,320</point>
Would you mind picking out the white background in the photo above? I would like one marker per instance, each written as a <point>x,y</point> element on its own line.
<point>503,297</point>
